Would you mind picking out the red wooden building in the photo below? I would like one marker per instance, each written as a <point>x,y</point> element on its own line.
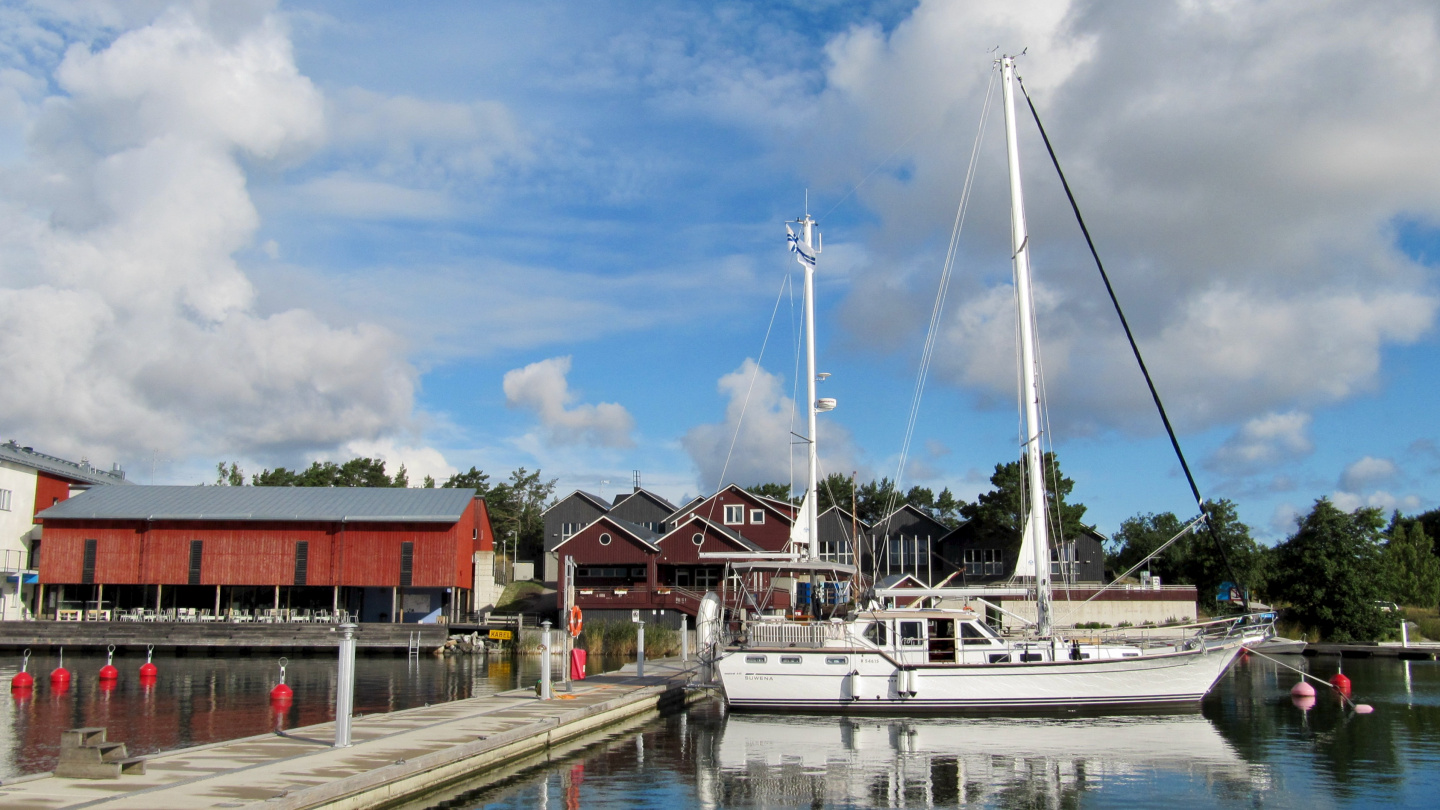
<point>383,554</point>
<point>622,566</point>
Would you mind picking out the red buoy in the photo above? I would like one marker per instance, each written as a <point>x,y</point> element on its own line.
<point>147,669</point>
<point>282,694</point>
<point>60,677</point>
<point>23,679</point>
<point>1341,683</point>
<point>109,672</point>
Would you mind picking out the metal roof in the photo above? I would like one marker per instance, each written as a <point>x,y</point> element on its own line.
<point>12,451</point>
<point>315,504</point>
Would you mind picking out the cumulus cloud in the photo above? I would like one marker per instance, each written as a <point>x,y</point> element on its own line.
<point>1382,500</point>
<point>1242,168</point>
<point>541,387</point>
<point>131,326</point>
<point>754,444</point>
<point>1367,473</point>
<point>1264,442</point>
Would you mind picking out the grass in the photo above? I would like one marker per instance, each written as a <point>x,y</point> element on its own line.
<point>618,638</point>
<point>1424,621</point>
<point>514,595</point>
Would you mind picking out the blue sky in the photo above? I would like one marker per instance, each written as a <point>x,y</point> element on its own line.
<point>551,235</point>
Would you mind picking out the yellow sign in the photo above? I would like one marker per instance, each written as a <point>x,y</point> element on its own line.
<point>501,635</point>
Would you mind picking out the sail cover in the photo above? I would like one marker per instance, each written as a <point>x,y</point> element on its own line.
<point>800,529</point>
<point>1025,561</point>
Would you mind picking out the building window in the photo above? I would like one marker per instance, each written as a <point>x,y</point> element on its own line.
<point>474,534</point>
<point>604,539</point>
<point>734,514</point>
<point>984,562</point>
<point>707,577</point>
<point>567,529</point>
<point>836,551</point>
<point>757,515</point>
<point>1062,561</point>
<point>698,538</point>
<point>5,499</point>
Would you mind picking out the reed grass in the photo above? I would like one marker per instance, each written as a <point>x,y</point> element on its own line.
<point>619,638</point>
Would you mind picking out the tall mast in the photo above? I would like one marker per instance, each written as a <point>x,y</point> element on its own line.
<point>814,466</point>
<point>1035,522</point>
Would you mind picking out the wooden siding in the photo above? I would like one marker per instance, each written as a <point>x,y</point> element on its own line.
<point>49,491</point>
<point>248,553</point>
<point>574,509</point>
<point>772,535</point>
<point>678,547</point>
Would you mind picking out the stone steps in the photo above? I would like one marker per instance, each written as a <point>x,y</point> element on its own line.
<point>85,754</point>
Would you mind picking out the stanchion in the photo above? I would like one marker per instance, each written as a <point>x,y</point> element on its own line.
<point>345,690</point>
<point>684,639</point>
<point>545,660</point>
<point>640,649</point>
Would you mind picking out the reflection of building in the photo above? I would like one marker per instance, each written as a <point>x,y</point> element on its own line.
<point>29,483</point>
<point>384,554</point>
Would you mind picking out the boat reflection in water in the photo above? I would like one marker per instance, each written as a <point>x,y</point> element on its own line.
<point>896,762</point>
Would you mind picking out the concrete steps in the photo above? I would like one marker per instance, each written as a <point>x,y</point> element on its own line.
<point>84,754</point>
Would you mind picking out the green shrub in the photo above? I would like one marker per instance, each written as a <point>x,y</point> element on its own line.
<point>1430,628</point>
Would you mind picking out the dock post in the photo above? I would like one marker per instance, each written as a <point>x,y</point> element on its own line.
<point>345,689</point>
<point>684,639</point>
<point>545,660</point>
<point>640,649</point>
<point>1404,634</point>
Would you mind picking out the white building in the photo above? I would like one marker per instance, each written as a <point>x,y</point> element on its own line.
<point>31,482</point>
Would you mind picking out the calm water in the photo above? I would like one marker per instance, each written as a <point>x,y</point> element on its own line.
<point>1250,746</point>
<point>198,700</point>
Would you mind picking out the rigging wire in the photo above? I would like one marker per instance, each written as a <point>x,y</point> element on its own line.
<point>1135,348</point>
<point>932,337</point>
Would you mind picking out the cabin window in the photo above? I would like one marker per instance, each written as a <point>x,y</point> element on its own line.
<point>757,515</point>
<point>604,539</point>
<point>875,634</point>
<point>789,659</point>
<point>734,514</point>
<point>912,634</point>
<point>837,659</point>
<point>698,538</point>
<point>970,634</point>
<point>754,659</point>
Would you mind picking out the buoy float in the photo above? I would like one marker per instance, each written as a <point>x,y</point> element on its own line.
<point>1302,690</point>
<point>60,677</point>
<point>1364,708</point>
<point>147,669</point>
<point>1341,683</point>
<point>282,693</point>
<point>1303,702</point>
<point>109,672</point>
<point>23,679</point>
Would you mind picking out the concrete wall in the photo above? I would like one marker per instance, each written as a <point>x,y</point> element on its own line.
<point>487,593</point>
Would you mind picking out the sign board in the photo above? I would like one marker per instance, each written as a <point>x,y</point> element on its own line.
<point>501,635</point>
<point>635,616</point>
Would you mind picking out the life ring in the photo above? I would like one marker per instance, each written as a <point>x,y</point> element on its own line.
<point>576,621</point>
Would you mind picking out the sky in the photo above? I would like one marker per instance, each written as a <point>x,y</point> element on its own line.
<point>551,235</point>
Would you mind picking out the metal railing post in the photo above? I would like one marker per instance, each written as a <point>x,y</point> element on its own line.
<point>545,660</point>
<point>684,639</point>
<point>345,690</point>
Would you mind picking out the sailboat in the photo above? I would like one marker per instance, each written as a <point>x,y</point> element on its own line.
<point>949,659</point>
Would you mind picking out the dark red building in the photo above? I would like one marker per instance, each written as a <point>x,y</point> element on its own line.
<point>383,554</point>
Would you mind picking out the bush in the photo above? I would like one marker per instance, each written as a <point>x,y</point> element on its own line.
<point>1430,628</point>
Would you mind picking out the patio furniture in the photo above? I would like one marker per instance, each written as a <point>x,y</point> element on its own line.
<point>67,615</point>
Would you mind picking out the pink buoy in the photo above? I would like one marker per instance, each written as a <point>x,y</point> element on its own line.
<point>1302,689</point>
<point>1364,708</point>
<point>148,670</point>
<point>23,679</point>
<point>1303,702</point>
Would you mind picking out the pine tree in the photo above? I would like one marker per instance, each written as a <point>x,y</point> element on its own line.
<point>1412,569</point>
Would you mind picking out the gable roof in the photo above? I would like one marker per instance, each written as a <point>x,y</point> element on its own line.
<point>910,514</point>
<point>650,496</point>
<point>634,531</point>
<point>694,506</point>
<point>305,504</point>
<point>900,581</point>
<point>11,451</point>
<point>598,501</point>
<point>731,535</point>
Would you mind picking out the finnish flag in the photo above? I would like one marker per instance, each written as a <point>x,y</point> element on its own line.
<point>801,255</point>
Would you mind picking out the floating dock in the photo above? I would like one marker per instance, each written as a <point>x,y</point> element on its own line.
<point>395,757</point>
<point>1416,651</point>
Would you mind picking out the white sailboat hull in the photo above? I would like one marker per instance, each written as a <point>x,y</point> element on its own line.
<point>863,681</point>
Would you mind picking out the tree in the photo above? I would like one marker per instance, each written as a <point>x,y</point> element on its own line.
<point>514,506</point>
<point>836,489</point>
<point>996,514</point>
<point>1331,573</point>
<point>779,492</point>
<point>357,472</point>
<point>1193,559</point>
<point>1411,567</point>
<point>229,476</point>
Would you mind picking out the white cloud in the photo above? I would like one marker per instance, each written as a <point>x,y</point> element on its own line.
<point>131,327</point>
<point>1367,473</point>
<point>1382,500</point>
<point>755,442</point>
<point>418,461</point>
<point>541,387</point>
<point>1264,442</point>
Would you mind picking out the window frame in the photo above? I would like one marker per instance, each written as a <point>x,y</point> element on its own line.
<point>734,514</point>
<point>757,517</point>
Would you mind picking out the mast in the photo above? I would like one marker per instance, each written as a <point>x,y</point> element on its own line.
<point>808,504</point>
<point>1036,525</point>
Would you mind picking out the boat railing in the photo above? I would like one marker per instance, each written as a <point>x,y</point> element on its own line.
<point>793,634</point>
<point>1209,632</point>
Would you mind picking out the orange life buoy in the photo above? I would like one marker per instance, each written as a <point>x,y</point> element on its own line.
<point>576,623</point>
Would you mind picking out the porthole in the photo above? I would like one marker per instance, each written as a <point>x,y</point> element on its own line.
<point>754,659</point>
<point>789,659</point>
<point>837,659</point>
<point>604,539</point>
<point>698,538</point>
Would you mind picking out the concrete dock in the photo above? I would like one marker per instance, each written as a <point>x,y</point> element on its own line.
<point>396,757</point>
<point>214,637</point>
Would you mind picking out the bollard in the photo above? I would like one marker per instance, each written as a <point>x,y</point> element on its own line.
<point>545,660</point>
<point>640,649</point>
<point>345,689</point>
<point>684,639</point>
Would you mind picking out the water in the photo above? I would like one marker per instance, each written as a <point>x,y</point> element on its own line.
<point>198,700</point>
<point>1248,746</point>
